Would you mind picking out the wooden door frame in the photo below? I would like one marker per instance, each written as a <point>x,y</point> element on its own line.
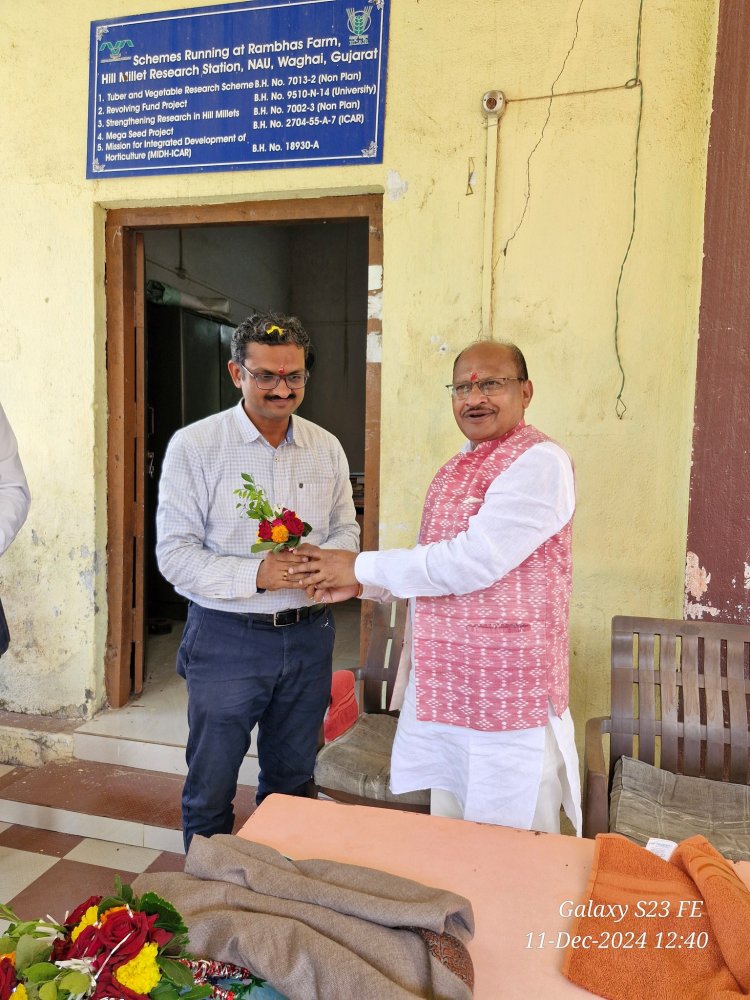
<point>125,389</point>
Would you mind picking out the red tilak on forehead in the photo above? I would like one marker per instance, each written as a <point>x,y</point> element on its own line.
<point>282,370</point>
<point>474,376</point>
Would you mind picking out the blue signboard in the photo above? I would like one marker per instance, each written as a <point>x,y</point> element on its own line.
<point>265,83</point>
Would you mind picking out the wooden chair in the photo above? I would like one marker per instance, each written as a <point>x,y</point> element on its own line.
<point>680,703</point>
<point>355,767</point>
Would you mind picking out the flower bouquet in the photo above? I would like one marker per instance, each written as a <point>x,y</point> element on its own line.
<point>279,528</point>
<point>116,948</point>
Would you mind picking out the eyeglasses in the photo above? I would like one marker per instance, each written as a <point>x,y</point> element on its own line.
<point>296,380</point>
<point>487,386</point>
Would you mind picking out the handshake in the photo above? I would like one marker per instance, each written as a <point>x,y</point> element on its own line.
<point>326,575</point>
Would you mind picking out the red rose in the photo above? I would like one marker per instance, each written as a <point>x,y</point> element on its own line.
<point>292,523</point>
<point>86,945</point>
<point>7,978</point>
<point>128,926</point>
<point>75,917</point>
<point>158,935</point>
<point>59,949</point>
<point>264,531</point>
<point>108,986</point>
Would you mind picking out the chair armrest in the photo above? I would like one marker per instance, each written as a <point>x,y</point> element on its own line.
<point>595,779</point>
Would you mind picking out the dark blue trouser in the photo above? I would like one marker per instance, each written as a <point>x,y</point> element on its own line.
<point>240,672</point>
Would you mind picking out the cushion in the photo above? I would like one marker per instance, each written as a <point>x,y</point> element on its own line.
<point>648,802</point>
<point>359,762</point>
<point>343,710</point>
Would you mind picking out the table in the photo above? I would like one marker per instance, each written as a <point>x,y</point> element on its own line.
<point>517,880</point>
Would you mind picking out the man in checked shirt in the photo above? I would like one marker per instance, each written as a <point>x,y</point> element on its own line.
<point>254,650</point>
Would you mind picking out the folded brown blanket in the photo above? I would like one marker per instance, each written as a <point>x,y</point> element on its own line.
<point>661,930</point>
<point>320,928</point>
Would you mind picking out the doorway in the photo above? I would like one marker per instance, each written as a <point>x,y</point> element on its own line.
<point>178,281</point>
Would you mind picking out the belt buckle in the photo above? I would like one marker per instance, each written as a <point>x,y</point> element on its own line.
<point>288,617</point>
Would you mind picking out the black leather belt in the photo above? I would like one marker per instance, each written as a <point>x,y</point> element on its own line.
<point>289,617</point>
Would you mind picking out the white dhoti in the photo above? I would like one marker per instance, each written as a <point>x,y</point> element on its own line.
<point>516,778</point>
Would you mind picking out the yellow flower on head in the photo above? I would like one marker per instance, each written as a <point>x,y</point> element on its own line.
<point>140,974</point>
<point>90,917</point>
<point>279,534</point>
<point>19,993</point>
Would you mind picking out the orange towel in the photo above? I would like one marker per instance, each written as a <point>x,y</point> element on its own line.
<point>650,929</point>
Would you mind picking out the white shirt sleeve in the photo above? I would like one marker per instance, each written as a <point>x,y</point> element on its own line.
<point>343,530</point>
<point>181,552</point>
<point>523,507</point>
<point>15,497</point>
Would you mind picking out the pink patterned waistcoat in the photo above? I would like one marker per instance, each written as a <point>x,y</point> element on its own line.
<point>490,659</point>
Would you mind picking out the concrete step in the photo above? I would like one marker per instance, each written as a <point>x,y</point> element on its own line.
<point>124,805</point>
<point>33,740</point>
<point>166,758</point>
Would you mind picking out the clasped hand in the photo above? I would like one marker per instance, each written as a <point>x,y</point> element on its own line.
<point>326,575</point>
<point>274,570</point>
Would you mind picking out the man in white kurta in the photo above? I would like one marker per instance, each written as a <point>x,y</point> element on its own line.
<point>485,722</point>
<point>14,490</point>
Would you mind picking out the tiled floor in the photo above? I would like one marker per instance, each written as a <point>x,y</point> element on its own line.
<point>44,872</point>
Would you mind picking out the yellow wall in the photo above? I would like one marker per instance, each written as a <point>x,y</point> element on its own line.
<point>553,292</point>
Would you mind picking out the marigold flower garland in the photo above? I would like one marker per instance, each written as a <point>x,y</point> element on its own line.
<point>279,528</point>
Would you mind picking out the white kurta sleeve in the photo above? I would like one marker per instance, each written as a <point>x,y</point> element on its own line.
<point>15,497</point>
<point>526,505</point>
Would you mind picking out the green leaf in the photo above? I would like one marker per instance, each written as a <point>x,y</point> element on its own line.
<point>175,971</point>
<point>7,944</point>
<point>49,991</point>
<point>308,529</point>
<point>110,903</point>
<point>25,927</point>
<point>7,914</point>
<point>75,982</point>
<point>263,546</point>
<point>169,918</point>
<point>126,892</point>
<point>253,499</point>
<point>41,972</point>
<point>30,950</point>
<point>164,990</point>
